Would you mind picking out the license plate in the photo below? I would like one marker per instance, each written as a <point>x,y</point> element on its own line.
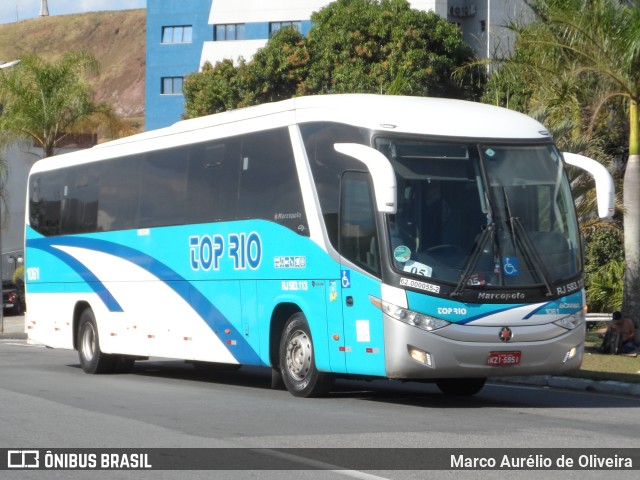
<point>501,359</point>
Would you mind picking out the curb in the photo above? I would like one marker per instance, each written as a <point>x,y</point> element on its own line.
<point>13,336</point>
<point>578,384</point>
<point>14,328</point>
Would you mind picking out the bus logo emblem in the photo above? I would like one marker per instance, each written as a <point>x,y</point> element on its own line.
<point>505,334</point>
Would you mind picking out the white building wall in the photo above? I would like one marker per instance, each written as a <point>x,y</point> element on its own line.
<point>231,49</point>
<point>438,6</point>
<point>246,11</point>
<point>495,40</point>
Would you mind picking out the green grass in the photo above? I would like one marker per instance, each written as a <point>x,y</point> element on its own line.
<point>598,366</point>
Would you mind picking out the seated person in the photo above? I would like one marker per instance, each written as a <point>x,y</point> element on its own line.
<point>620,336</point>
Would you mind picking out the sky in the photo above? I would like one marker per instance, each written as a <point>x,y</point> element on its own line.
<point>12,10</point>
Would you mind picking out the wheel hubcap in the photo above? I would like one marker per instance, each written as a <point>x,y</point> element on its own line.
<point>299,355</point>
<point>88,342</point>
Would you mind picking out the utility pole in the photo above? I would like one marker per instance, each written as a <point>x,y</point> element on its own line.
<point>488,37</point>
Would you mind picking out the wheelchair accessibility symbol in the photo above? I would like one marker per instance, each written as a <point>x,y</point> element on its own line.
<point>510,266</point>
<point>345,278</point>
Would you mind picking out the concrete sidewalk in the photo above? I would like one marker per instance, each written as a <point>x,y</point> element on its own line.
<point>13,327</point>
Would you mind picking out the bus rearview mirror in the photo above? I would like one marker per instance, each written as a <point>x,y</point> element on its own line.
<point>605,189</point>
<point>384,178</point>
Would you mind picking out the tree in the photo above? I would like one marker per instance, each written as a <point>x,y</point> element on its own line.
<point>604,269</point>
<point>355,46</point>
<point>602,40</point>
<point>371,46</point>
<point>278,70</point>
<point>48,101</point>
<point>578,66</point>
<point>213,89</point>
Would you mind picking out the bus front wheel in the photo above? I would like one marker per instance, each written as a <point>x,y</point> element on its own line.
<point>297,361</point>
<point>92,360</point>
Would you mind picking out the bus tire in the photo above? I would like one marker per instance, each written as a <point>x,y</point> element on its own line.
<point>276,379</point>
<point>464,387</point>
<point>297,361</point>
<point>92,360</point>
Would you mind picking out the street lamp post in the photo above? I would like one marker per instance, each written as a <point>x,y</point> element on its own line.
<point>488,37</point>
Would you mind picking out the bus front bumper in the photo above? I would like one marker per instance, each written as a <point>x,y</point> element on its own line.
<point>412,353</point>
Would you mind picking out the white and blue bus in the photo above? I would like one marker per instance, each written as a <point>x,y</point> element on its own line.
<point>340,235</point>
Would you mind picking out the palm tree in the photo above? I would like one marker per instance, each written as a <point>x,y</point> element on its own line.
<point>48,101</point>
<point>599,41</point>
<point>604,291</point>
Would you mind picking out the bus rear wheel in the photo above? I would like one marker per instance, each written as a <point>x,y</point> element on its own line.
<point>461,386</point>
<point>297,361</point>
<point>92,360</point>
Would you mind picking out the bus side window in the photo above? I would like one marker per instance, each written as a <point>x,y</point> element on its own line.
<point>45,203</point>
<point>80,199</point>
<point>269,187</point>
<point>328,165</point>
<point>163,186</point>
<point>358,234</point>
<point>118,196</point>
<point>212,182</point>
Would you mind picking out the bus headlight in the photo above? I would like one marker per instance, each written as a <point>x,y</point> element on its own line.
<point>425,322</point>
<point>571,321</point>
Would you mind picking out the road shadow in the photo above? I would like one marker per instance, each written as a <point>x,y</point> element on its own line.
<point>413,394</point>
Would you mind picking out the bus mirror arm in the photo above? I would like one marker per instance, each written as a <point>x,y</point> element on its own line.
<point>382,173</point>
<point>605,189</point>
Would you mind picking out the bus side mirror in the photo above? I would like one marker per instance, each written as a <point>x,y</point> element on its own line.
<point>605,189</point>
<point>384,178</point>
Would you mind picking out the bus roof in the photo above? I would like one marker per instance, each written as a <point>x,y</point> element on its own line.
<point>441,117</point>
<point>420,115</point>
<point>437,117</point>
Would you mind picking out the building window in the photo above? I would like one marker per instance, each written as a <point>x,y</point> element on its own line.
<point>275,26</point>
<point>177,34</point>
<point>230,31</point>
<point>172,85</point>
<point>483,25</point>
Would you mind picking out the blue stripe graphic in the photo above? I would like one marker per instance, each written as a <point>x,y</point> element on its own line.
<point>483,315</point>
<point>242,351</point>
<point>88,276</point>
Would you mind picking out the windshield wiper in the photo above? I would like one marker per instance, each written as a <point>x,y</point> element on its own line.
<point>475,257</point>
<point>521,237</point>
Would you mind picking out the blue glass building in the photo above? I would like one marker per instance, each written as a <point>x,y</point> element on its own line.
<point>183,35</point>
<point>176,32</point>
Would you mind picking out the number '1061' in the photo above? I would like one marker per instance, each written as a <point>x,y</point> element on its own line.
<point>33,273</point>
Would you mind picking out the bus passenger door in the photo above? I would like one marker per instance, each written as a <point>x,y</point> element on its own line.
<point>360,277</point>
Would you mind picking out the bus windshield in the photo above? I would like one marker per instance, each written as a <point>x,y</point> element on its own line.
<point>482,215</point>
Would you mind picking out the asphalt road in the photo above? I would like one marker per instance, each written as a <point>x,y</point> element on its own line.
<point>46,401</point>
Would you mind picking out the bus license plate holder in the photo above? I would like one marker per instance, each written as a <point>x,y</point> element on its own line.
<point>503,359</point>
